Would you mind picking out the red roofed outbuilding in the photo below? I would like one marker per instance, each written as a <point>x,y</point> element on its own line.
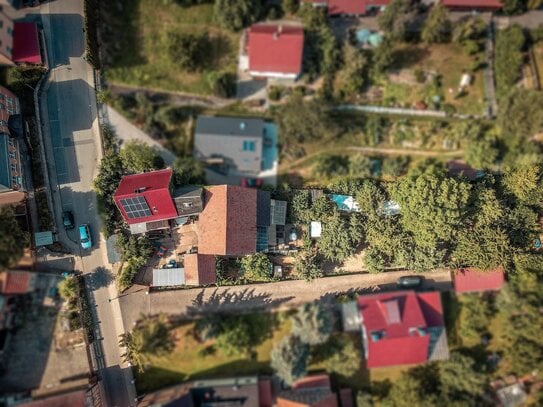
<point>467,5</point>
<point>310,391</point>
<point>354,7</point>
<point>475,280</point>
<point>145,201</point>
<point>275,50</point>
<point>402,328</point>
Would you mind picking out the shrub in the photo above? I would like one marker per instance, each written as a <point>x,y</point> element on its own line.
<point>420,76</point>
<point>289,359</point>
<point>224,85</point>
<point>312,323</point>
<point>256,267</point>
<point>275,93</point>
<point>331,166</point>
<point>189,50</point>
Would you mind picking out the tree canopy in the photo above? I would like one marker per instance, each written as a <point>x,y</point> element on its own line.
<point>437,26</point>
<point>13,240</point>
<point>256,267</point>
<point>237,14</point>
<point>312,323</point>
<point>139,157</point>
<point>289,359</point>
<point>396,17</point>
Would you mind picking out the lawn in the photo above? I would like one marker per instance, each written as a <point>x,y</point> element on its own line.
<point>135,49</point>
<point>446,60</point>
<point>189,360</point>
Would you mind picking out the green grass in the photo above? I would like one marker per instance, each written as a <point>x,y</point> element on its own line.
<point>188,360</point>
<point>137,48</point>
<point>447,60</point>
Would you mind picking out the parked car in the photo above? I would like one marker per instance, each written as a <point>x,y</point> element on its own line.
<point>410,281</point>
<point>251,182</point>
<point>84,236</point>
<point>68,220</point>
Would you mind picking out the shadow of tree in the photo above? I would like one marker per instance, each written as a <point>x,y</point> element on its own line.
<point>101,277</point>
<point>230,301</point>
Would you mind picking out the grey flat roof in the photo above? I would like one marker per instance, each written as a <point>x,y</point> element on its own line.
<point>168,277</point>
<point>230,126</point>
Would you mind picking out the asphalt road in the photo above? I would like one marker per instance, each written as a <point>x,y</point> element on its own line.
<point>271,296</point>
<point>70,127</point>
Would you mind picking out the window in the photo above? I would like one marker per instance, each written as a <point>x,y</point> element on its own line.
<point>9,49</point>
<point>14,180</point>
<point>13,167</point>
<point>1,23</point>
<point>12,155</point>
<point>3,123</point>
<point>248,145</point>
<point>10,31</point>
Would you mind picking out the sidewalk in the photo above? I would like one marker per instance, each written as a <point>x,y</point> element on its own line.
<point>126,131</point>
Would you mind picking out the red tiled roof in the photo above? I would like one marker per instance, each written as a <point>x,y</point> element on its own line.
<point>472,280</point>
<point>396,316</point>
<point>156,194</point>
<point>14,282</point>
<point>73,399</point>
<point>275,48</point>
<point>310,382</point>
<point>199,269</point>
<point>227,225</point>
<point>476,4</point>
<point>353,7</point>
<point>26,45</point>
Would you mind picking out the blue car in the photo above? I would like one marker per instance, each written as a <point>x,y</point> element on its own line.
<point>85,237</point>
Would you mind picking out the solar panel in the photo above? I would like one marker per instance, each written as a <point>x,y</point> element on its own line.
<point>135,207</point>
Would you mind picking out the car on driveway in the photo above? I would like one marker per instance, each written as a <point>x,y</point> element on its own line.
<point>84,236</point>
<point>68,220</point>
<point>410,281</point>
<point>252,182</point>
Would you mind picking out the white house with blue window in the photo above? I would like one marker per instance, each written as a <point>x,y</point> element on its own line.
<point>235,146</point>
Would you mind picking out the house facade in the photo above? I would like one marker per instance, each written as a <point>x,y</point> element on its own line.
<point>275,50</point>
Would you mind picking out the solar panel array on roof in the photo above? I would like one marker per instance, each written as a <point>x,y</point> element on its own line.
<point>135,207</point>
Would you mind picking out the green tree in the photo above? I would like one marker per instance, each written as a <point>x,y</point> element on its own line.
<point>138,157</point>
<point>300,206</point>
<point>374,260</point>
<point>512,7</point>
<point>483,247</point>
<point>482,153</point>
<point>151,336</point>
<point>331,166</point>
<point>237,14</point>
<point>344,357</point>
<point>352,76</point>
<point>460,381</point>
<point>525,182</point>
<point>383,56</point>
<point>187,170</point>
<point>69,288</point>
<point>396,17</point>
<point>308,265</point>
<point>408,391</point>
<point>360,166</point>
<point>312,323</point>
<point>340,237</point>
<point>475,312</point>
<point>12,240</point>
<point>290,6</point>
<point>234,338</point>
<point>433,206</point>
<point>188,50</point>
<point>437,25</point>
<point>256,267</point>
<point>395,166</point>
<point>289,359</point>
<point>301,121</point>
<point>508,58</point>
<point>370,198</point>
<point>520,117</point>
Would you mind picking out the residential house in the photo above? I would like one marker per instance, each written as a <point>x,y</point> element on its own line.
<point>78,398</point>
<point>310,391</point>
<point>402,328</point>
<point>231,221</point>
<point>473,5</point>
<point>250,391</point>
<point>275,50</point>
<point>19,41</point>
<point>12,188</point>
<point>350,7</point>
<point>467,280</point>
<point>231,145</point>
<point>13,285</point>
<point>145,201</point>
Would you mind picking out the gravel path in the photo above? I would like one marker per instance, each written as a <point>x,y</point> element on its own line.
<point>273,296</point>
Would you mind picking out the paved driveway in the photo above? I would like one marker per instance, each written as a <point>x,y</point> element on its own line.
<point>273,296</point>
